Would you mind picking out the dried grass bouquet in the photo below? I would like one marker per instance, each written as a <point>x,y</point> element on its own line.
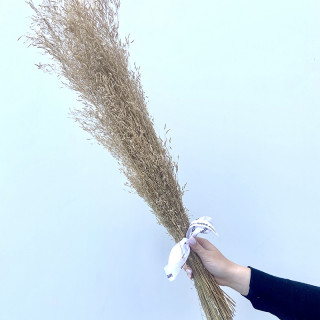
<point>81,38</point>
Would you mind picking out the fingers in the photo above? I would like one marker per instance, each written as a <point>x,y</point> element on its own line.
<point>205,243</point>
<point>196,246</point>
<point>188,271</point>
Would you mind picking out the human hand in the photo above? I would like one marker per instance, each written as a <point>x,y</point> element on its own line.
<point>226,272</point>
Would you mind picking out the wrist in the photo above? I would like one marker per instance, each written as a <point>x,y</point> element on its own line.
<point>239,278</point>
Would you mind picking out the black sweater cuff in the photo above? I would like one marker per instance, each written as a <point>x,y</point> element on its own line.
<point>286,299</point>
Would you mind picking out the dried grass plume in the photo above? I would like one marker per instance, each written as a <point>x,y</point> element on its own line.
<point>81,38</point>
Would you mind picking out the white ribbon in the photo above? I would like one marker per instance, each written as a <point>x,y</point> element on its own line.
<point>180,252</point>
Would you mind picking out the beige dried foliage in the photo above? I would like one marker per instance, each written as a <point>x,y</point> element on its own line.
<point>81,38</point>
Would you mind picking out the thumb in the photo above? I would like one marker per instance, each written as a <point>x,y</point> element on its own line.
<point>196,247</point>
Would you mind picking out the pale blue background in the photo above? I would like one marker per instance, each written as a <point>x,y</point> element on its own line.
<point>238,84</point>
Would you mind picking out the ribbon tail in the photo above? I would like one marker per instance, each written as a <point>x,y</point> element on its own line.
<point>177,258</point>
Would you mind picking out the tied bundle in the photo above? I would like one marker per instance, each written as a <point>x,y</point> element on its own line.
<point>81,38</point>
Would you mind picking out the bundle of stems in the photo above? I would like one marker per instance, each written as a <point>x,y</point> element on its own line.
<point>81,38</point>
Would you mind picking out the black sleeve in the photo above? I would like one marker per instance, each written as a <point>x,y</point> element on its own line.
<point>286,299</point>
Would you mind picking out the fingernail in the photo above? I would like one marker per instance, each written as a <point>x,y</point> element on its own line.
<point>192,241</point>
<point>189,273</point>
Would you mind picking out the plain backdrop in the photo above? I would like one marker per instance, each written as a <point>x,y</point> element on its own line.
<point>237,82</point>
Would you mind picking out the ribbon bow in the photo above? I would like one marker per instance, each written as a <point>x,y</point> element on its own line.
<point>180,252</point>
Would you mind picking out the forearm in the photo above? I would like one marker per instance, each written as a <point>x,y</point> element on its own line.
<point>286,299</point>
<point>239,278</point>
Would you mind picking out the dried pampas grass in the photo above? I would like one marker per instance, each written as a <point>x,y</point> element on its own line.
<point>81,37</point>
